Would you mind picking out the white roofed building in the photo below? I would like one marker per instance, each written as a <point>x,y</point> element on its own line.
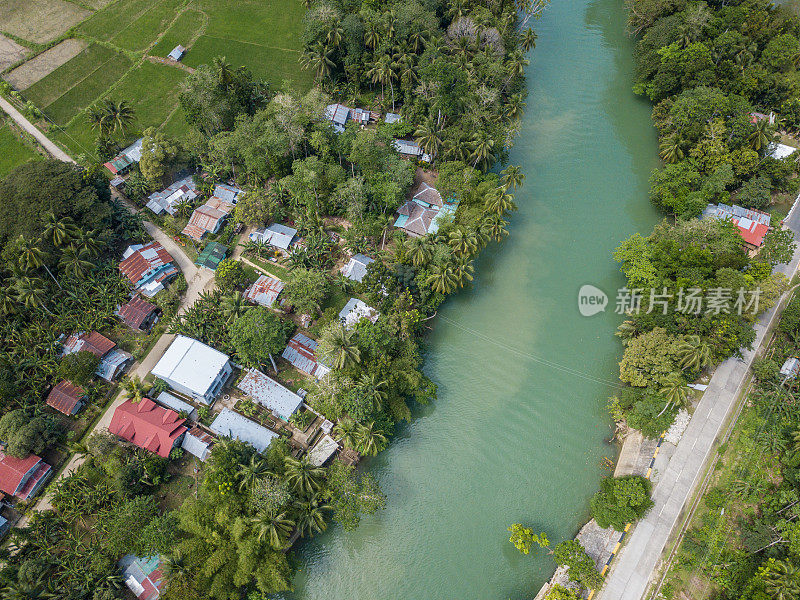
<point>276,235</point>
<point>270,394</point>
<point>356,267</point>
<point>194,369</point>
<point>324,449</point>
<point>233,425</point>
<point>354,311</point>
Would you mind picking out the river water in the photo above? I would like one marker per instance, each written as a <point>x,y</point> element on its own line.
<point>512,438</point>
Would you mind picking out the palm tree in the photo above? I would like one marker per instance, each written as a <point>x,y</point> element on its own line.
<point>429,136</point>
<point>223,70</point>
<point>184,209</point>
<point>31,292</point>
<point>59,231</point>
<point>118,116</point>
<point>673,390</point>
<point>417,40</point>
<point>31,257</point>
<point>512,177</point>
<point>73,263</point>
<point>24,590</point>
<point>369,439</point>
<point>302,476</point>
<point>177,572</point>
<point>273,527</point>
<point>760,136</point>
<point>335,34</point>
<point>499,202</point>
<point>88,242</point>
<point>495,227</point>
<point>96,119</point>
<point>134,388</point>
<point>311,515</point>
<point>383,72</point>
<point>318,58</point>
<point>8,302</point>
<point>464,243</point>
<point>482,148</point>
<point>372,391</point>
<point>694,354</point>
<point>671,149</point>
<point>462,272</point>
<point>234,306</point>
<point>252,471</point>
<point>515,105</point>
<point>419,251</point>
<point>372,37</point>
<point>339,348</point>
<point>782,581</point>
<point>346,430</point>
<point>528,39</point>
<point>442,279</point>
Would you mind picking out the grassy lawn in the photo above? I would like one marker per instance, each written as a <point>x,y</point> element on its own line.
<point>13,151</point>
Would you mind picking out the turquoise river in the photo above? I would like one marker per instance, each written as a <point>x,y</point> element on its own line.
<point>519,431</point>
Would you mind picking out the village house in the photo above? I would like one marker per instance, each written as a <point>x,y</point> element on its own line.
<point>356,267</point>
<point>354,311</point>
<point>143,576</point>
<point>276,235</point>
<point>270,394</point>
<point>209,217</point>
<point>339,115</point>
<point>410,149</point>
<point>149,426</point>
<point>198,442</point>
<point>193,369</point>
<point>301,353</point>
<point>211,256</point>
<point>393,118</point>
<point>149,267</point>
<point>752,225</point>
<point>179,406</point>
<point>66,397</point>
<point>322,451</point>
<point>138,313</point>
<point>167,200</point>
<point>264,291</point>
<point>22,477</point>
<point>122,162</point>
<point>421,215</point>
<point>232,425</point>
<point>112,360</point>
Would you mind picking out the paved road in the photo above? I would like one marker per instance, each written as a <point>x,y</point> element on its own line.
<point>631,573</point>
<point>54,150</point>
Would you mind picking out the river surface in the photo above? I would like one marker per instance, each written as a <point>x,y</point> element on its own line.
<point>510,438</point>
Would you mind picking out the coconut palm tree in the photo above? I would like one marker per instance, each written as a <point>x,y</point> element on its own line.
<point>627,330</point>
<point>512,177</point>
<point>372,36</point>
<point>118,116</point>
<point>515,106</point>
<point>31,257</point>
<point>419,251</point>
<point>74,263</point>
<point>495,227</point>
<point>674,391</point>
<point>311,515</point>
<point>370,439</point>
<point>252,471</point>
<point>273,528</point>
<point>782,581</point>
<point>223,70</point>
<point>8,301</point>
<point>133,388</point>
<point>346,431</point>
<point>429,136</point>
<point>671,149</point>
<point>417,40</point>
<point>338,347</point>
<point>482,148</point>
<point>335,34</point>
<point>761,135</point>
<point>59,231</point>
<point>318,58</point>
<point>234,306</point>
<point>31,292</point>
<point>694,354</point>
<point>464,243</point>
<point>383,71</point>
<point>88,242</point>
<point>442,279</point>
<point>96,119</point>
<point>372,391</point>
<point>303,477</point>
<point>528,39</point>
<point>499,202</point>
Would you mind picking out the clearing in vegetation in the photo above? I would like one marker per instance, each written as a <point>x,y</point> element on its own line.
<point>39,21</point>
<point>10,52</point>
<point>42,65</point>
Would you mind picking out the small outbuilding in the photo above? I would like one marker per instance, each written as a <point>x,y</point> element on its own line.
<point>233,425</point>
<point>276,235</point>
<point>322,452</point>
<point>66,397</point>
<point>790,368</point>
<point>264,291</point>
<point>211,256</point>
<point>194,369</point>
<point>354,311</point>
<point>270,394</point>
<point>179,406</point>
<point>177,53</point>
<point>356,267</point>
<point>301,352</point>
<point>198,442</point>
<point>138,313</point>
<point>143,576</point>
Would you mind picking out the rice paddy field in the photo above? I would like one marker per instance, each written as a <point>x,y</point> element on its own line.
<point>124,58</point>
<point>13,151</point>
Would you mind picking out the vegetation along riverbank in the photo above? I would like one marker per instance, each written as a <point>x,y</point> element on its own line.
<point>265,275</point>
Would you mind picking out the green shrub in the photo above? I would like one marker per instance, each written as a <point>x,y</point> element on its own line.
<point>621,500</point>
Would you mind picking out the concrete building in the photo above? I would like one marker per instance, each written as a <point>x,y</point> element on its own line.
<point>194,369</point>
<point>270,394</point>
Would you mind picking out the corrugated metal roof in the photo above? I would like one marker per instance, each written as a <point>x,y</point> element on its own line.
<point>324,449</point>
<point>354,311</point>
<point>232,424</point>
<point>190,364</point>
<point>176,404</point>
<point>277,235</point>
<point>356,267</point>
<point>113,363</point>
<point>211,255</point>
<point>65,397</point>
<point>198,443</point>
<point>264,291</point>
<point>136,312</point>
<point>270,394</point>
<point>301,353</point>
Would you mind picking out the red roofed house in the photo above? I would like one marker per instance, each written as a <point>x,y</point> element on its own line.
<point>66,397</point>
<point>205,219</point>
<point>753,225</point>
<point>148,425</point>
<point>22,477</point>
<point>138,314</point>
<point>148,267</point>
<point>112,359</point>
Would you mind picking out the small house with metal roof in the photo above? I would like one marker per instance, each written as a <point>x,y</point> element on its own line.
<point>322,451</point>
<point>270,394</point>
<point>356,267</point>
<point>233,425</point>
<point>752,225</point>
<point>138,313</point>
<point>167,200</point>
<point>149,267</point>
<point>143,576</point>
<point>198,442</point>
<point>276,235</point>
<point>264,291</point>
<point>149,426</point>
<point>23,477</point>
<point>354,311</point>
<point>123,161</point>
<point>112,359</point>
<point>301,352</point>
<point>211,256</point>
<point>177,53</point>
<point>66,397</point>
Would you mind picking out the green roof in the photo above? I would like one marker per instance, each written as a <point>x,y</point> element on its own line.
<point>211,256</point>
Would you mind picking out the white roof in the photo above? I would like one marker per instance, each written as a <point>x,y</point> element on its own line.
<point>176,404</point>
<point>134,151</point>
<point>232,424</point>
<point>354,311</point>
<point>776,150</point>
<point>356,268</point>
<point>393,118</point>
<point>269,393</point>
<point>191,364</point>
<point>324,449</point>
<point>277,235</point>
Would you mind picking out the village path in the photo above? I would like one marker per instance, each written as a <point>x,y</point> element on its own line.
<point>637,562</point>
<point>30,128</point>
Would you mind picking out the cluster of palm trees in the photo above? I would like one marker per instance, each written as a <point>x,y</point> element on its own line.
<point>75,248</point>
<point>110,116</point>
<point>367,438</point>
<point>673,147</point>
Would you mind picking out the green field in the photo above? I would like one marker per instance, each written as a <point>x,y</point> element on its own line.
<point>13,151</point>
<point>128,37</point>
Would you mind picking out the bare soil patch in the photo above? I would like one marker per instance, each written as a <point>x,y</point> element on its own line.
<point>10,52</point>
<point>45,63</point>
<point>98,4</point>
<point>39,21</point>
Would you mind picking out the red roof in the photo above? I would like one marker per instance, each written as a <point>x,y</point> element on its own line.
<point>752,232</point>
<point>136,312</point>
<point>13,471</point>
<point>205,218</point>
<point>93,342</point>
<point>147,258</point>
<point>147,425</point>
<point>65,396</point>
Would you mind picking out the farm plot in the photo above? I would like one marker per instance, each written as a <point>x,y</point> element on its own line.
<point>13,151</point>
<point>39,21</point>
<point>45,63</point>
<point>183,31</point>
<point>10,52</point>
